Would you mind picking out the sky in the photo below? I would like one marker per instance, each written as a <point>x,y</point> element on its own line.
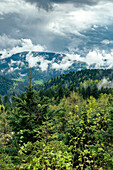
<point>83,27</point>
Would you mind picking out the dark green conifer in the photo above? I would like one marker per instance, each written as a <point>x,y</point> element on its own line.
<point>95,92</point>
<point>28,114</point>
<point>60,92</point>
<point>6,100</point>
<point>0,100</point>
<point>88,91</point>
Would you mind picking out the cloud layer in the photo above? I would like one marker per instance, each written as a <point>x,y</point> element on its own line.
<point>58,28</point>
<point>48,4</point>
<point>22,46</point>
<point>78,26</point>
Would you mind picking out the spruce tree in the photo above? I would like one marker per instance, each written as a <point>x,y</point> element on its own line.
<point>0,100</point>
<point>6,100</point>
<point>27,114</point>
<point>95,92</point>
<point>60,92</point>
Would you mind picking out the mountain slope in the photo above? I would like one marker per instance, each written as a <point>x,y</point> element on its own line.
<point>45,65</point>
<point>8,86</point>
<point>5,85</point>
<point>73,79</point>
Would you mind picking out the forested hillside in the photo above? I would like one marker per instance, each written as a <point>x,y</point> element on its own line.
<point>70,81</point>
<point>5,85</point>
<point>8,86</point>
<point>44,65</point>
<point>74,79</point>
<point>56,84</point>
<point>64,132</point>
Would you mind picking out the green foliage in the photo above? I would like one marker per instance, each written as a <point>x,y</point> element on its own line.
<point>18,80</point>
<point>6,100</point>
<point>86,82</point>
<point>46,152</point>
<point>27,114</point>
<point>87,131</point>
<point>53,155</point>
<point>0,100</point>
<point>74,79</point>
<point>5,136</point>
<point>65,131</point>
<point>38,81</point>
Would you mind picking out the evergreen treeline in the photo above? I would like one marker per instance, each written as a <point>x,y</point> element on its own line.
<point>71,80</point>
<point>74,79</point>
<point>49,131</point>
<point>85,92</point>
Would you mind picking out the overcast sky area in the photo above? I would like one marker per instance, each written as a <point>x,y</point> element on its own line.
<point>67,26</point>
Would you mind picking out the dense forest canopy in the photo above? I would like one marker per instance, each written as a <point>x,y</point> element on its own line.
<point>70,80</point>
<point>70,127</point>
<point>75,78</point>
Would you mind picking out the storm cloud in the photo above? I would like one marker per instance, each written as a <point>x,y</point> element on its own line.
<point>47,4</point>
<point>77,26</point>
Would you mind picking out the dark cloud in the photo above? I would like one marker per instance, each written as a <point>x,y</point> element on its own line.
<point>47,4</point>
<point>9,24</point>
<point>56,30</point>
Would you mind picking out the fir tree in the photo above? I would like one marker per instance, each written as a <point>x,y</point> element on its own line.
<point>6,100</point>
<point>28,114</point>
<point>0,100</point>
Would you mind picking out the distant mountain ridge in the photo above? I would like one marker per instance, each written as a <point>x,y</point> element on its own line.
<point>44,65</point>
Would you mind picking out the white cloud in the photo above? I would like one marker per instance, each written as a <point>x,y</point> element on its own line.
<point>67,18</point>
<point>66,62</point>
<point>18,6</point>
<point>6,42</point>
<point>11,69</point>
<point>94,57</point>
<point>99,57</point>
<point>62,66</point>
<point>105,83</point>
<point>106,42</point>
<point>24,45</point>
<point>27,45</point>
<point>33,61</point>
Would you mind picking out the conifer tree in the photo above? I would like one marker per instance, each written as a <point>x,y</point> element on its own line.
<point>95,92</point>
<point>28,114</point>
<point>88,91</point>
<point>60,92</point>
<point>0,100</point>
<point>6,100</point>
